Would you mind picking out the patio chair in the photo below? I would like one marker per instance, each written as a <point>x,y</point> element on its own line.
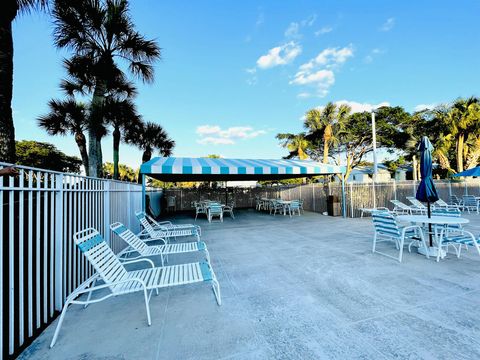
<point>455,235</point>
<point>229,209</point>
<point>387,229</point>
<point>417,204</point>
<point>200,208</point>
<point>119,281</point>
<point>150,233</point>
<point>401,209</point>
<point>293,207</point>
<point>215,210</point>
<point>300,202</point>
<point>470,203</point>
<point>137,245</point>
<point>444,205</point>
<point>169,226</point>
<point>276,205</point>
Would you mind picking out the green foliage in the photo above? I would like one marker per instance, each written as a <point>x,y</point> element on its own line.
<point>45,156</point>
<point>126,173</point>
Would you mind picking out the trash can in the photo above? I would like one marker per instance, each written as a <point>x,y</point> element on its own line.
<point>333,206</point>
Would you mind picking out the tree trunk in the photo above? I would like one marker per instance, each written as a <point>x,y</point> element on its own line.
<point>95,123</point>
<point>8,11</point>
<point>82,146</point>
<point>99,157</point>
<point>414,167</point>
<point>116,151</point>
<point>146,156</point>
<point>460,145</point>
<point>325,152</point>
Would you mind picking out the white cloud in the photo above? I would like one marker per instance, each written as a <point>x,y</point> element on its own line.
<point>319,72</point>
<point>324,30</point>
<point>372,55</point>
<point>388,25</point>
<point>280,55</point>
<point>421,107</point>
<point>361,107</point>
<point>214,134</point>
<point>293,31</point>
<point>309,21</point>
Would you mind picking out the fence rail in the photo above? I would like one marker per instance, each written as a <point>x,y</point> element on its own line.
<point>39,264</point>
<point>358,195</point>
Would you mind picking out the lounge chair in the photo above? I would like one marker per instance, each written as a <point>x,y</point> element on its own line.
<point>454,200</point>
<point>119,281</point>
<point>443,205</point>
<point>137,245</point>
<point>387,229</point>
<point>214,210</point>
<point>169,226</point>
<point>470,203</point>
<point>401,209</point>
<point>417,204</point>
<point>150,233</point>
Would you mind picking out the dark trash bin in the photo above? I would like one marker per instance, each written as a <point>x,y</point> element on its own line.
<point>333,206</point>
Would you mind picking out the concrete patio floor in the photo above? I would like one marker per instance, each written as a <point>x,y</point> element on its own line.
<point>293,288</point>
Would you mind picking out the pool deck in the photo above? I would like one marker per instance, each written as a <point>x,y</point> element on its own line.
<point>293,288</point>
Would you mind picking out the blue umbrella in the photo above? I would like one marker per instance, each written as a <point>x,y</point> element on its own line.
<point>426,191</point>
<point>470,172</point>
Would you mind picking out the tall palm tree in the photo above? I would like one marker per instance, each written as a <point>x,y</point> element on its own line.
<point>463,119</point>
<point>9,9</point>
<point>121,115</point>
<point>68,117</point>
<point>295,143</point>
<point>324,124</point>
<point>100,33</point>
<point>148,137</point>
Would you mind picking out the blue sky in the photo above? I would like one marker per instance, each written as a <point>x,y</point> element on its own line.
<point>234,74</point>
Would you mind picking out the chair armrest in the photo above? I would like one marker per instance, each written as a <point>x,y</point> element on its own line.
<point>164,223</point>
<point>139,260</point>
<point>410,227</point>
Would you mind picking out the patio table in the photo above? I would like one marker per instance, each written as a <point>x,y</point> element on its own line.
<point>436,221</point>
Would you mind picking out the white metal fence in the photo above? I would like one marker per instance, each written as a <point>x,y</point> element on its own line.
<point>39,264</point>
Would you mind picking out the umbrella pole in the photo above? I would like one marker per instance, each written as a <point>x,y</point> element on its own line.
<point>429,214</point>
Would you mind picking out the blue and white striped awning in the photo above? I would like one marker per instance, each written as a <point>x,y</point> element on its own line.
<point>208,169</point>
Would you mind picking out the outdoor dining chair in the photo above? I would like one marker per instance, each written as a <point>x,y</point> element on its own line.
<point>138,246</point>
<point>119,281</point>
<point>387,229</point>
<point>215,210</point>
<point>229,209</point>
<point>294,207</point>
<point>200,208</point>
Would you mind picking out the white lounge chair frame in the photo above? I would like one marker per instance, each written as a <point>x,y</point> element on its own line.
<point>417,204</point>
<point>400,208</point>
<point>120,281</point>
<point>169,226</point>
<point>150,233</point>
<point>470,202</point>
<point>137,245</point>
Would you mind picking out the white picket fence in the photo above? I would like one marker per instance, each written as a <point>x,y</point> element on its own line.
<point>39,264</point>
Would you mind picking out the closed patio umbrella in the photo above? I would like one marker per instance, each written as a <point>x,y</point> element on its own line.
<point>426,191</point>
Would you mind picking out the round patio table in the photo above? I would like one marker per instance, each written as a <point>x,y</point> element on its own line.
<point>434,220</point>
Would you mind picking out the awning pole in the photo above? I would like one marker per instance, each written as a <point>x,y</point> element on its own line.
<point>143,193</point>
<point>344,205</point>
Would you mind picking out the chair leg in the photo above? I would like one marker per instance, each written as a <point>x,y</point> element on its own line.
<point>147,306</point>
<point>374,242</point>
<point>401,250</point>
<point>90,293</point>
<point>59,325</point>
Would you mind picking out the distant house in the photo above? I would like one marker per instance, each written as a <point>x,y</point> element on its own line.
<point>364,174</point>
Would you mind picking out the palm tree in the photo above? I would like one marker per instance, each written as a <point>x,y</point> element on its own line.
<point>68,117</point>
<point>463,119</point>
<point>9,9</point>
<point>101,32</point>
<point>122,115</point>
<point>296,144</point>
<point>324,124</point>
<point>149,137</point>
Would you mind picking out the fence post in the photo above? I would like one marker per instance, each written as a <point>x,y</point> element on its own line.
<point>374,193</point>
<point>395,189</point>
<point>449,189</point>
<point>465,186</point>
<point>313,196</point>
<point>58,242</point>
<point>106,210</point>
<point>351,199</point>
<point>129,204</point>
